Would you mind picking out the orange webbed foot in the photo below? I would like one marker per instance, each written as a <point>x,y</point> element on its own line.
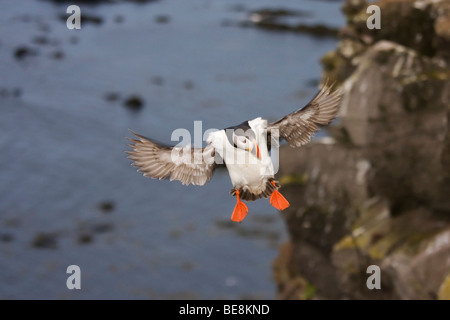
<point>277,200</point>
<point>240,210</point>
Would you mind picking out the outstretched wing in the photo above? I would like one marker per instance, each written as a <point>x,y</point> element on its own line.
<point>298,127</point>
<point>188,165</point>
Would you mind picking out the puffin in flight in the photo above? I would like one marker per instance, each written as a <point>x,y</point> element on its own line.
<point>244,150</point>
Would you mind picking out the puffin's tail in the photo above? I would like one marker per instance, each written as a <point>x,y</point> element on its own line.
<point>245,194</point>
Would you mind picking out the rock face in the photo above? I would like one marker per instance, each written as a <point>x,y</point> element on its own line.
<point>377,192</point>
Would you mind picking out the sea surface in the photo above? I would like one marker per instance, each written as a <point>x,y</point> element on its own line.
<point>68,195</point>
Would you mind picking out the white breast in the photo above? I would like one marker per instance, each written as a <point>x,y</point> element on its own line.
<point>244,168</point>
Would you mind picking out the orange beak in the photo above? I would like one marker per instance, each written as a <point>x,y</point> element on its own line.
<point>258,154</point>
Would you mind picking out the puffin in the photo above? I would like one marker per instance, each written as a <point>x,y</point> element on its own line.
<point>246,150</point>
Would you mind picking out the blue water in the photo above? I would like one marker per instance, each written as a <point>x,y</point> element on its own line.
<point>62,144</point>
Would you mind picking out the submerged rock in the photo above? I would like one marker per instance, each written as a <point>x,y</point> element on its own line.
<point>134,103</point>
<point>280,19</point>
<point>6,237</point>
<point>106,206</point>
<point>377,195</point>
<point>45,240</point>
<point>85,18</point>
<point>162,18</point>
<point>23,52</point>
<point>111,96</point>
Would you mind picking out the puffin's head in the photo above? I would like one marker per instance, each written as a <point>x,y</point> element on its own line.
<point>234,137</point>
<point>245,140</point>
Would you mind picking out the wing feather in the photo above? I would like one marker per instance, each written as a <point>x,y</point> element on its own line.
<point>188,165</point>
<point>298,127</point>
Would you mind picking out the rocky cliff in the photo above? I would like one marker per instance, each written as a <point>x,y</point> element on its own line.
<point>377,191</point>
